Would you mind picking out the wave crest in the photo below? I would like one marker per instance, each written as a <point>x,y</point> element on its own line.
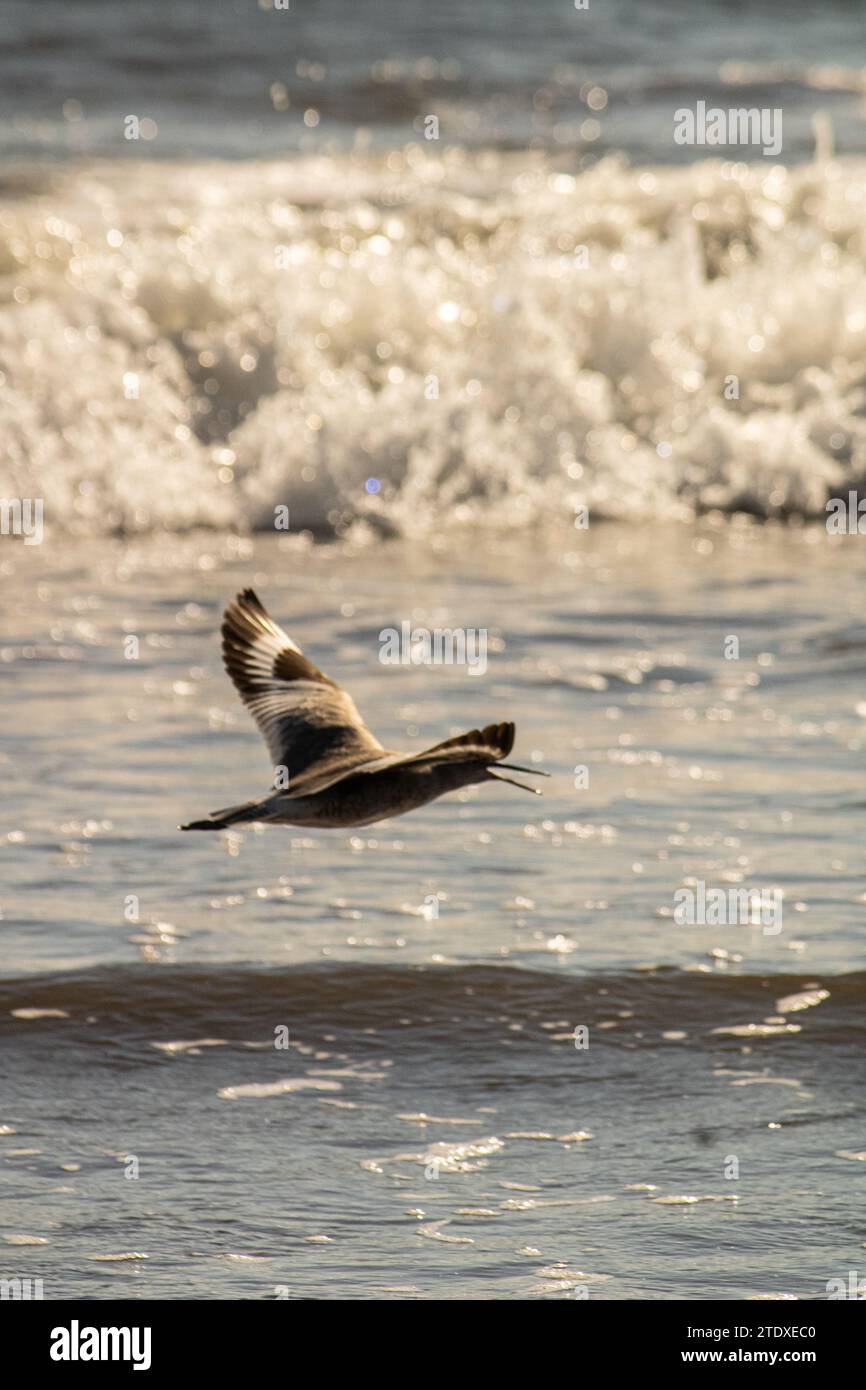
<point>416,341</point>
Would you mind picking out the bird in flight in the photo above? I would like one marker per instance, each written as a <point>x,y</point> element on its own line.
<point>330,770</point>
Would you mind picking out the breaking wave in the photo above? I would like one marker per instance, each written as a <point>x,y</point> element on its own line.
<point>407,342</point>
<point>454,1005</point>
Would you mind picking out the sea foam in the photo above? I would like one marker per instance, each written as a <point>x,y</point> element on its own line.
<point>413,341</point>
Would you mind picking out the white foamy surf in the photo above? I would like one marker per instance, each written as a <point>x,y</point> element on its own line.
<point>416,341</point>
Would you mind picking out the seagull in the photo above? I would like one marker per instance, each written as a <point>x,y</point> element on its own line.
<point>330,770</point>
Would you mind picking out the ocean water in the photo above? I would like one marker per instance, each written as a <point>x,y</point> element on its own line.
<point>552,377</point>
<point>398,342</point>
<point>236,78</point>
<point>437,966</point>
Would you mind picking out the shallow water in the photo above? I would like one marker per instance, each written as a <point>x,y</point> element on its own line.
<point>607,648</point>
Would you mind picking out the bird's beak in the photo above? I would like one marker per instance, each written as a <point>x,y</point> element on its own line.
<point>511,782</point>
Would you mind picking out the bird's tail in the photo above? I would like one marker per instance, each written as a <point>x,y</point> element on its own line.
<point>218,820</point>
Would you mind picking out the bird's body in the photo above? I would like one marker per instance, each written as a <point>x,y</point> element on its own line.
<point>330,770</point>
<point>361,798</point>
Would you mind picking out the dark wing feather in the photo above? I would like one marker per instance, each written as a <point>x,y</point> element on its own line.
<point>482,746</point>
<point>311,725</point>
<point>489,744</point>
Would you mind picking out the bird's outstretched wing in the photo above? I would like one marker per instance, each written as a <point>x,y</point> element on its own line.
<point>311,725</point>
<point>484,746</point>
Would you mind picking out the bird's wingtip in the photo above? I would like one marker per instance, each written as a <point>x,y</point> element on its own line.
<point>248,598</point>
